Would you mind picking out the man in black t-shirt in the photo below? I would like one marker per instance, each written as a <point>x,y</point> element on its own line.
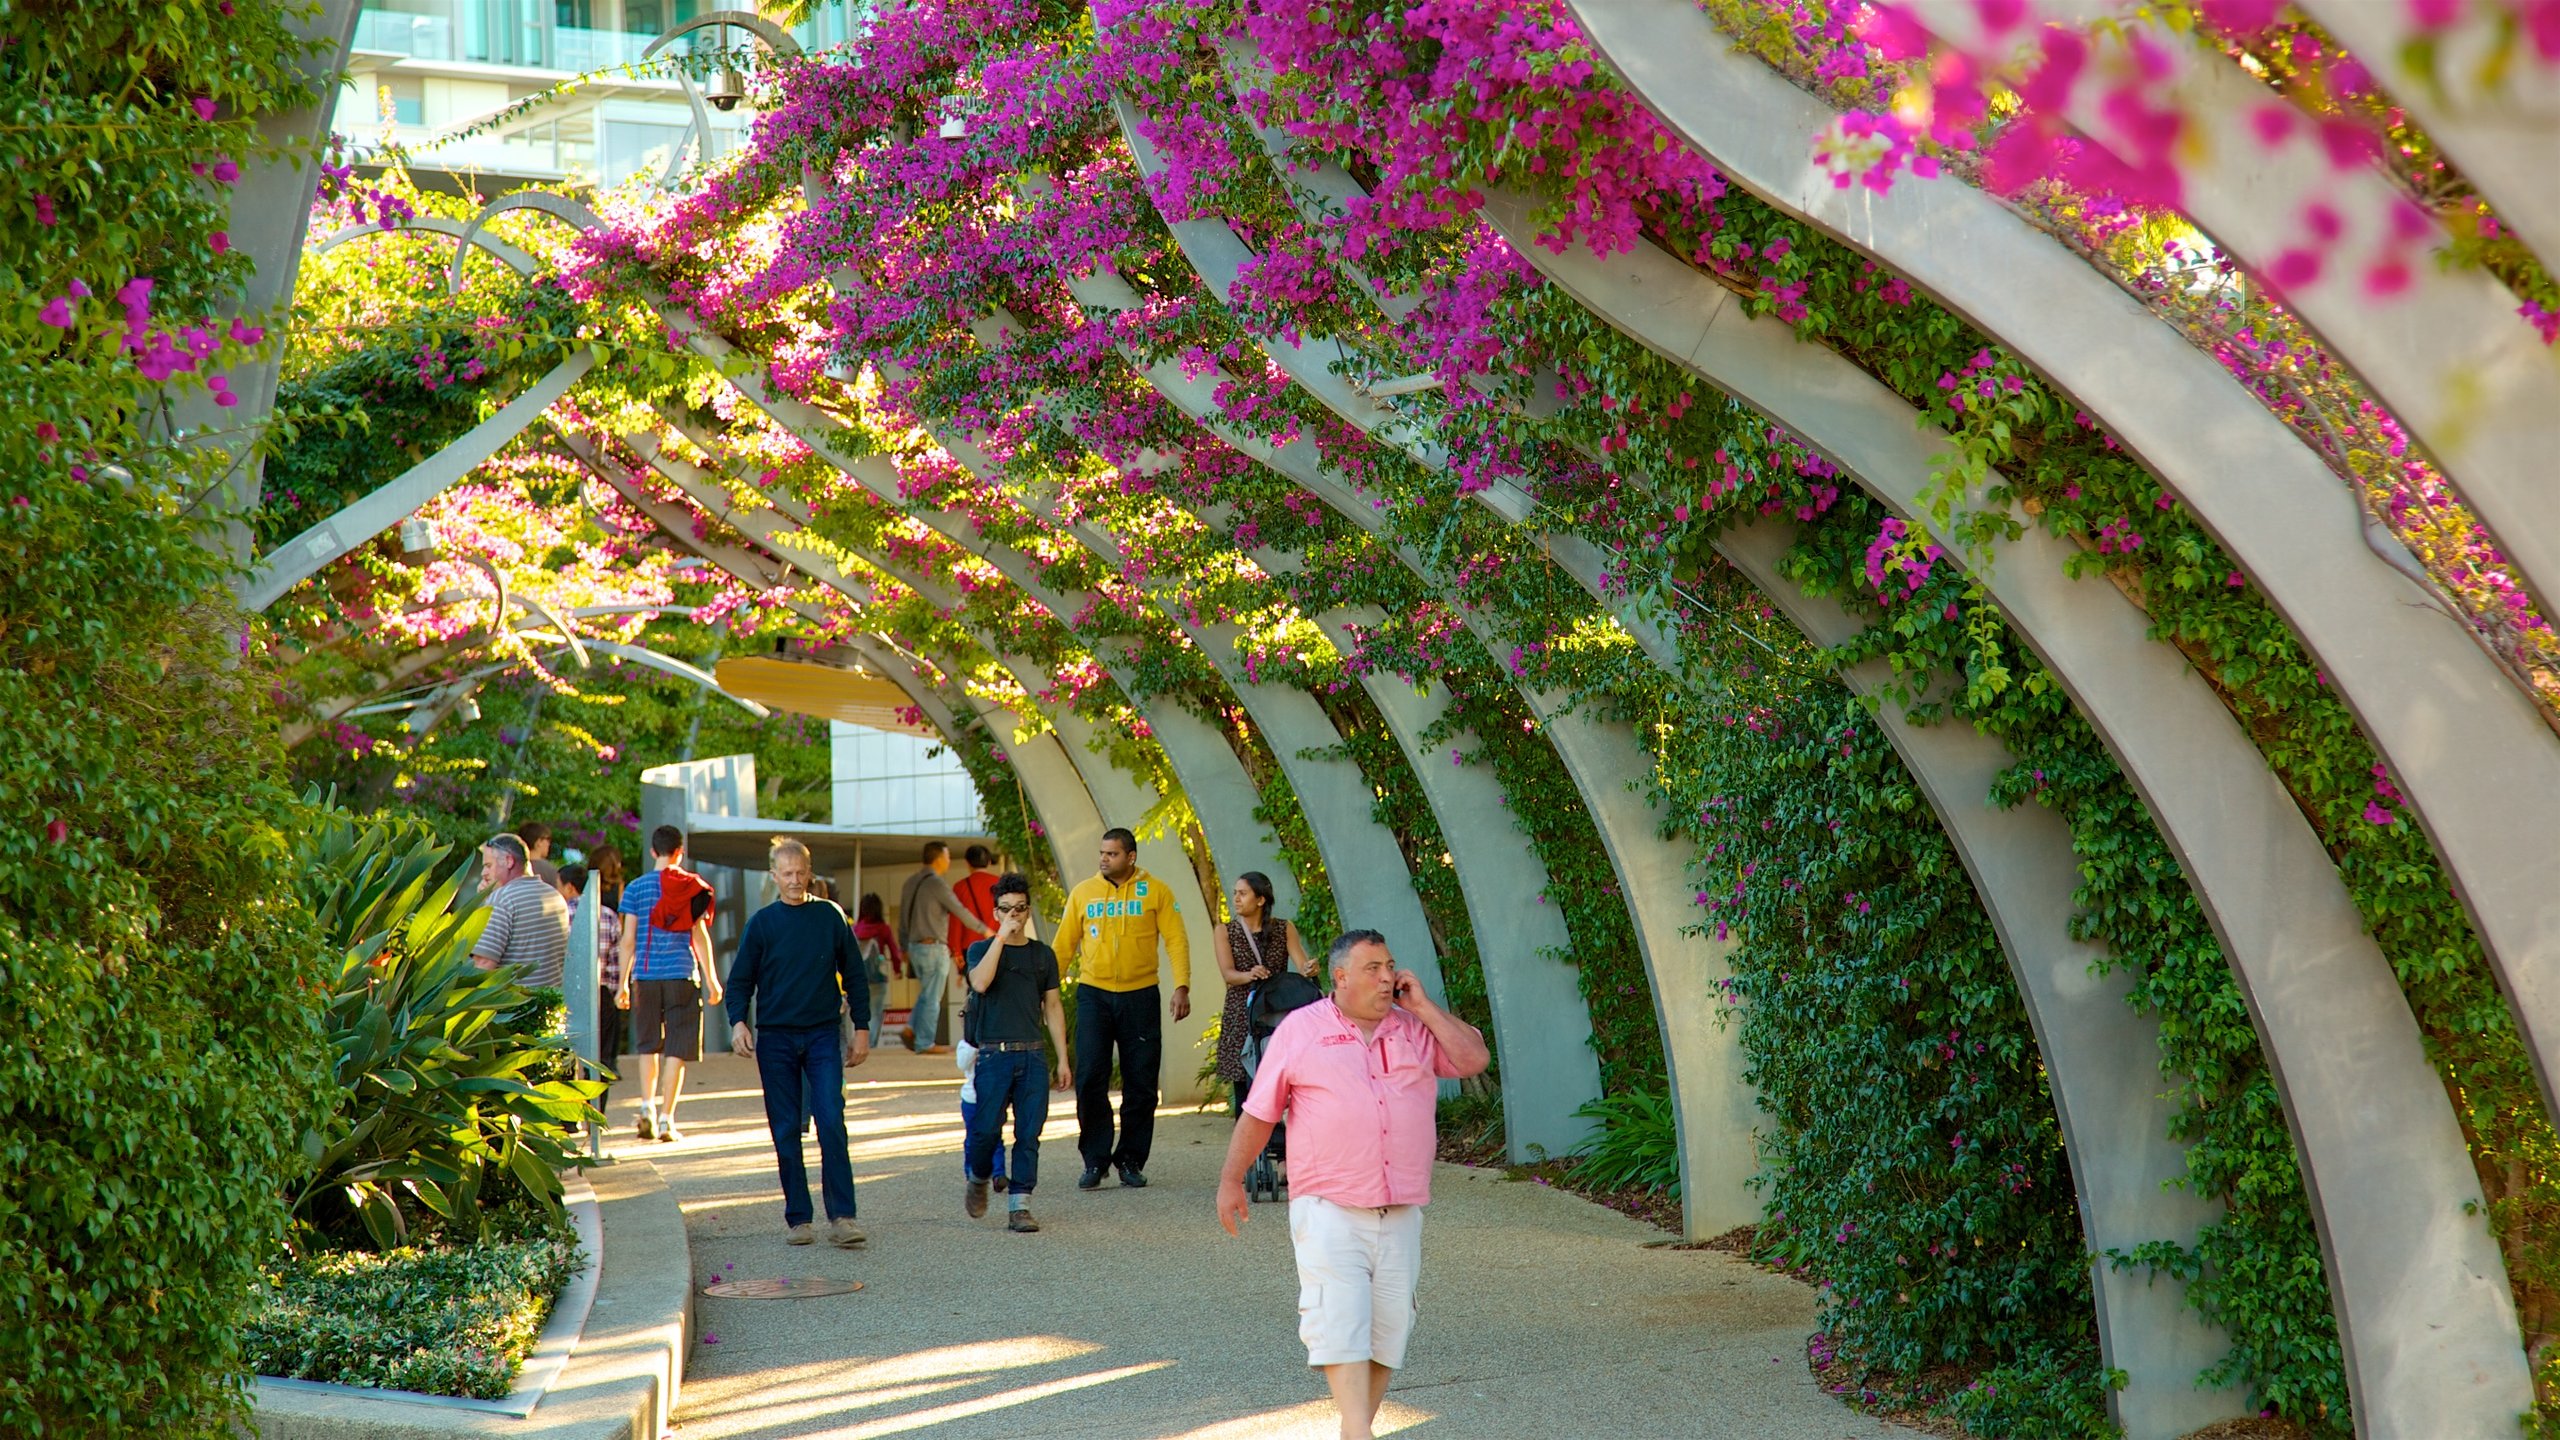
<point>1016,982</point>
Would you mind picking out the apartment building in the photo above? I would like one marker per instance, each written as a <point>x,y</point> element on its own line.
<point>423,70</point>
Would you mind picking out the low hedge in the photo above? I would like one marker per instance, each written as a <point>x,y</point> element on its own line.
<point>443,1320</point>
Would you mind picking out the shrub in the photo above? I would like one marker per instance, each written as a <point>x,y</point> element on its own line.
<point>1638,1147</point>
<point>456,1094</point>
<point>445,1320</point>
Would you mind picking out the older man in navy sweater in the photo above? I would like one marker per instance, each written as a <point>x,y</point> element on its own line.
<point>798,970</point>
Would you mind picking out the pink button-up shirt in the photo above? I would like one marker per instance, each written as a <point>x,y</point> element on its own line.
<point>1363,1117</point>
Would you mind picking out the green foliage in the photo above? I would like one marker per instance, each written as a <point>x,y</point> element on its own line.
<point>351,424</point>
<point>442,1320</point>
<point>451,1105</point>
<point>1638,1144</point>
<point>573,755</point>
<point>158,977</point>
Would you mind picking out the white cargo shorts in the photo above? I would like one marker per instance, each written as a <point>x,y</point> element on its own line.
<point>1358,1271</point>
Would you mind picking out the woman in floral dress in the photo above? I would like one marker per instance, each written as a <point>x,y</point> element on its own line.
<point>1251,949</point>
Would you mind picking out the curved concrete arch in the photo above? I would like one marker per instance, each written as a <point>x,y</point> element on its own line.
<point>2503,146</point>
<point>827,439</point>
<point>1226,798</point>
<point>2480,768</point>
<point>2100,1057</point>
<point>2424,1311</point>
<point>1051,784</point>
<point>1548,1073</point>
<point>268,216</point>
<point>1362,862</point>
<point>1118,798</point>
<point>2450,357</point>
<point>297,559</point>
<point>1613,768</point>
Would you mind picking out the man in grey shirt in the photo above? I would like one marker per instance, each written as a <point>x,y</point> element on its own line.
<point>923,908</point>
<point>528,921</point>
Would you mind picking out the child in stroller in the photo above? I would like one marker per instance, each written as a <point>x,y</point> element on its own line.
<point>1265,1007</point>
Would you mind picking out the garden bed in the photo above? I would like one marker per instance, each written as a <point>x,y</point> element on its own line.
<point>439,1320</point>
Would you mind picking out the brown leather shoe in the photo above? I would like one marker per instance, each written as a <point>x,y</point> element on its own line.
<point>1021,1223</point>
<point>845,1235</point>
<point>800,1234</point>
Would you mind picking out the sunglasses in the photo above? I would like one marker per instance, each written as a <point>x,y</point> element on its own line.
<point>1013,909</point>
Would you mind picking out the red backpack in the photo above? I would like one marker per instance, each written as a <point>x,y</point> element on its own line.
<point>683,900</point>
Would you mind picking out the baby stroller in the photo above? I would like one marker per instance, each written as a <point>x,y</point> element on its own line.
<point>1265,1006</point>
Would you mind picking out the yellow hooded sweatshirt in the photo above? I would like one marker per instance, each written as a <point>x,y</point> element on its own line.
<point>1113,929</point>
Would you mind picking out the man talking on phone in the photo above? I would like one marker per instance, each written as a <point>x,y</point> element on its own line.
<point>1016,980</point>
<point>1358,1078</point>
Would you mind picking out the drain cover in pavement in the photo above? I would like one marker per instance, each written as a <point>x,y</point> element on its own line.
<point>795,1288</point>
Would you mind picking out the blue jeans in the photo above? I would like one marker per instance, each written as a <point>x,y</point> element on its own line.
<point>1015,1080</point>
<point>879,1010</point>
<point>803,1073</point>
<point>933,972</point>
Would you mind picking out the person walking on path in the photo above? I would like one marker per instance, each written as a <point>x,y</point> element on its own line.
<point>1108,940</point>
<point>667,976</point>
<point>1358,1078</point>
<point>796,971</point>
<point>976,892</point>
<point>1015,980</point>
<point>528,927</point>
<point>878,942</point>
<point>537,845</point>
<point>923,907</point>
<point>1254,946</point>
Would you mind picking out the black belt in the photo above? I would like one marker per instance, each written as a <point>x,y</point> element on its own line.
<point>1009,1045</point>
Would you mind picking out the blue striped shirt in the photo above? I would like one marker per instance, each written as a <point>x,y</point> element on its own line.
<point>656,954</point>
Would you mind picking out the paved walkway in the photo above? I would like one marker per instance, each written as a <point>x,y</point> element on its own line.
<point>1133,1315</point>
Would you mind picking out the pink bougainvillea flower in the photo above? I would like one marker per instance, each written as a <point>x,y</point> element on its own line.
<point>2294,269</point>
<point>2374,814</point>
<point>56,312</point>
<point>1893,31</point>
<point>2242,17</point>
<point>226,170</point>
<point>55,831</point>
<point>220,241</point>
<point>45,212</point>
<point>204,107</point>
<point>46,433</point>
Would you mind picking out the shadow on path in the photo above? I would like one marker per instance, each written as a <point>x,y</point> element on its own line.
<point>1132,1315</point>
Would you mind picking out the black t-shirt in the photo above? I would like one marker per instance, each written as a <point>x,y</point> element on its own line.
<point>1010,1007</point>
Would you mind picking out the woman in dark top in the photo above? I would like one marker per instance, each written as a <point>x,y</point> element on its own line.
<point>871,923</point>
<point>1253,947</point>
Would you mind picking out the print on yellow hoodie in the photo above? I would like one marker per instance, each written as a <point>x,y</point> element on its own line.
<point>1113,930</point>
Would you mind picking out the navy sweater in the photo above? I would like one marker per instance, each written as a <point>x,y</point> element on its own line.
<point>800,962</point>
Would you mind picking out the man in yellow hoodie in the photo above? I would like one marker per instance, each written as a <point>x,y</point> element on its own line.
<point>1107,940</point>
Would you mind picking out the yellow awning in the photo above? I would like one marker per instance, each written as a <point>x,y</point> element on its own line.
<point>826,692</point>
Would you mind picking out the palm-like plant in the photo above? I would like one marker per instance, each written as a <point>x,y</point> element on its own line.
<point>443,1106</point>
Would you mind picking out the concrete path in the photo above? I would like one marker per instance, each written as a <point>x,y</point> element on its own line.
<point>1133,1315</point>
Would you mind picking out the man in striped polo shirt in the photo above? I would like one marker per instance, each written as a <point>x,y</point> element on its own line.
<point>528,923</point>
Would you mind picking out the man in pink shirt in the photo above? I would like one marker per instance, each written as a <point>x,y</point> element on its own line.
<point>1358,1077</point>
